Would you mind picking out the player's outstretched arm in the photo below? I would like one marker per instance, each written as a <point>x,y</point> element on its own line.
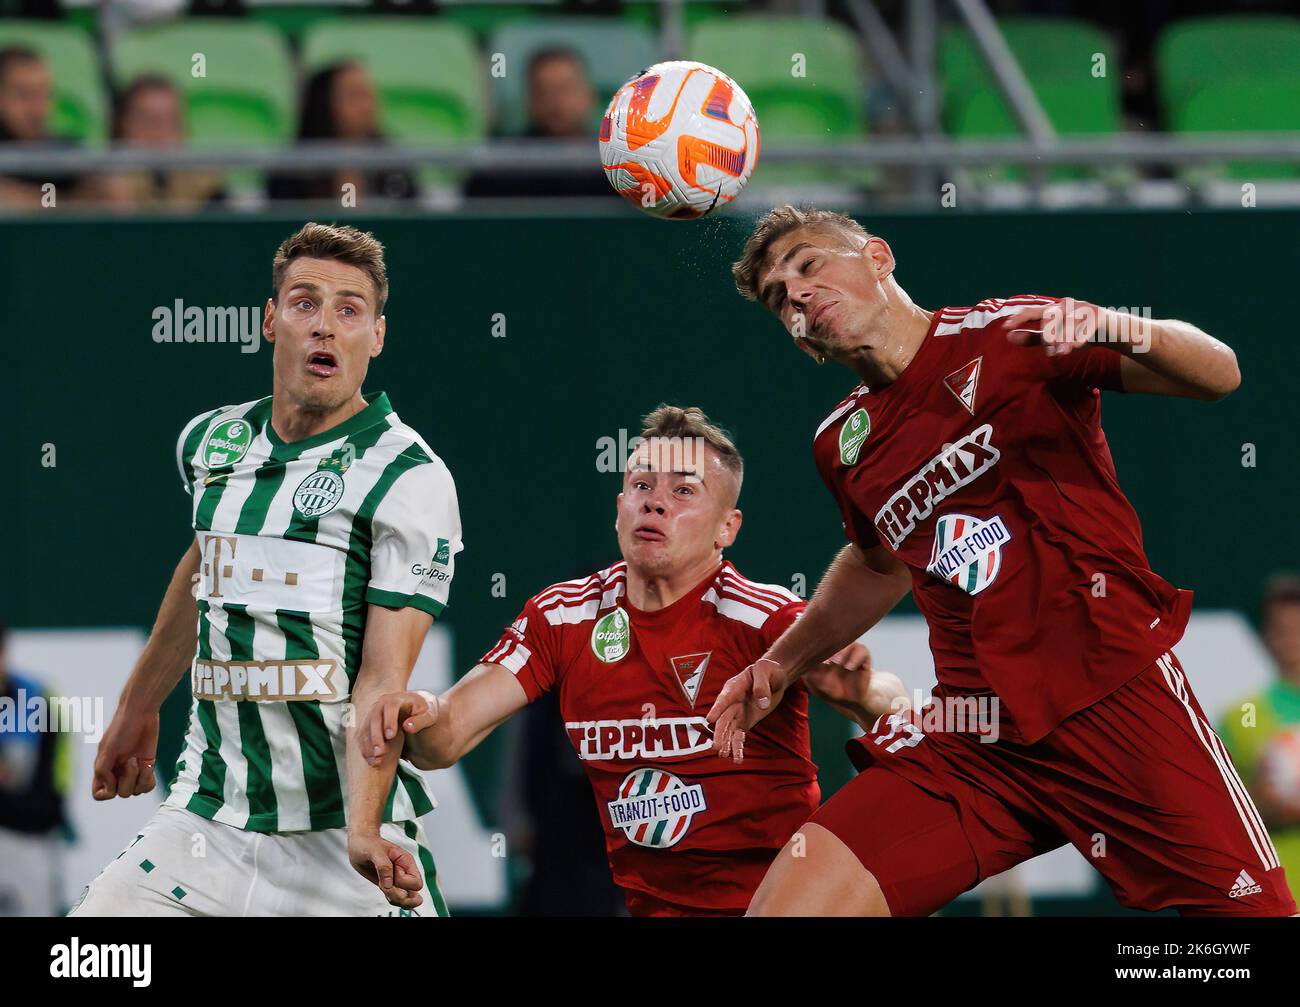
<point>392,643</point>
<point>124,764</point>
<point>1159,356</point>
<point>858,590</point>
<point>439,730</point>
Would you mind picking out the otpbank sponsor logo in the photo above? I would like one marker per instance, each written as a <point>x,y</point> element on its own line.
<point>664,738</point>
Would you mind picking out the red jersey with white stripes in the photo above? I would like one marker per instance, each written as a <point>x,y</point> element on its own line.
<point>681,824</point>
<point>984,468</point>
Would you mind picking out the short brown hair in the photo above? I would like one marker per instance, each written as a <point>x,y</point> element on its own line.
<point>777,223</point>
<point>1282,589</point>
<point>691,422</point>
<point>341,243</point>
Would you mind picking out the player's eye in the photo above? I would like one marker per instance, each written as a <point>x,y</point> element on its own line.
<point>304,304</point>
<point>686,490</point>
<point>349,310</point>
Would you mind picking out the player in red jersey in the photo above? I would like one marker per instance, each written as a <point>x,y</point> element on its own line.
<point>970,468</point>
<point>637,653</point>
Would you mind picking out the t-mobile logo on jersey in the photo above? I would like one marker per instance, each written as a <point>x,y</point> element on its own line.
<point>943,475</point>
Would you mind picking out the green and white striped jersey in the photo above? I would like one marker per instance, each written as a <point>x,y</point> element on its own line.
<point>296,540</point>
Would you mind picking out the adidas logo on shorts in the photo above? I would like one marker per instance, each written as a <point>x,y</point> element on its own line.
<point>1243,886</point>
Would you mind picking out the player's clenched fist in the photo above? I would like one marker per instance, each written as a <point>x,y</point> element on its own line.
<point>124,764</point>
<point>408,712</point>
<point>388,866</point>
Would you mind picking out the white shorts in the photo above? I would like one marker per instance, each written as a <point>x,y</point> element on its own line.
<point>182,864</point>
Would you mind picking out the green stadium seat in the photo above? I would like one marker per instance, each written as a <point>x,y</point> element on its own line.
<point>80,102</point>
<point>612,50</point>
<point>1211,49</point>
<point>1057,56</point>
<point>825,104</point>
<point>1232,74</point>
<point>429,74</point>
<point>246,96</point>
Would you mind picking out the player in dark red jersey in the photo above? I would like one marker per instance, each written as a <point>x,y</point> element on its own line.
<point>637,653</point>
<point>970,468</point>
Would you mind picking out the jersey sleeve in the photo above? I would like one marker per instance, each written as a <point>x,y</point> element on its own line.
<point>1091,366</point>
<point>528,648</point>
<point>781,620</point>
<point>416,536</point>
<point>187,447</point>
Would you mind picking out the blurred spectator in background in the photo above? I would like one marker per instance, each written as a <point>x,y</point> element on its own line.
<point>340,103</point>
<point>1263,731</point>
<point>26,101</point>
<point>556,822</point>
<point>149,112</point>
<point>561,106</point>
<point>33,778</point>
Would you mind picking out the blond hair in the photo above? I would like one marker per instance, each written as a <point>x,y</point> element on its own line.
<point>667,421</point>
<point>777,223</point>
<point>341,243</point>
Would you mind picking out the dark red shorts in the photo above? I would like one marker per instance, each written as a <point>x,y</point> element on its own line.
<point>645,904</point>
<point>1138,783</point>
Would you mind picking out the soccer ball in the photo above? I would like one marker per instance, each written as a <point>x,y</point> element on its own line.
<point>679,140</point>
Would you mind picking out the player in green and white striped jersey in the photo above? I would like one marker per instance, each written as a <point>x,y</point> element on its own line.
<point>326,532</point>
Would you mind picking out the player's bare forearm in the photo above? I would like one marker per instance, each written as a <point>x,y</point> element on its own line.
<point>170,648</point>
<point>1169,357</point>
<point>858,590</point>
<point>467,713</point>
<point>392,643</point>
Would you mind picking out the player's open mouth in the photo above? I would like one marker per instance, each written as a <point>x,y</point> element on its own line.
<point>323,364</point>
<point>646,534</point>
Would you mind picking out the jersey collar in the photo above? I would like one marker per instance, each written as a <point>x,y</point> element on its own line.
<point>376,411</point>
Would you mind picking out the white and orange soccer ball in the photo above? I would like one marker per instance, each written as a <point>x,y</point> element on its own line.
<point>679,140</point>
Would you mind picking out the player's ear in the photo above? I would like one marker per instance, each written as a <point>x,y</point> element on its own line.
<point>730,529</point>
<point>881,256</point>
<point>381,328</point>
<point>268,321</point>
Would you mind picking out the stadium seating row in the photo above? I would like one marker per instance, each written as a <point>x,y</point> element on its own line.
<point>806,77</point>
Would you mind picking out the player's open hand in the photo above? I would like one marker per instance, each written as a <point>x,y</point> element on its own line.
<point>124,764</point>
<point>744,700</point>
<point>1060,327</point>
<point>388,866</point>
<point>410,711</point>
